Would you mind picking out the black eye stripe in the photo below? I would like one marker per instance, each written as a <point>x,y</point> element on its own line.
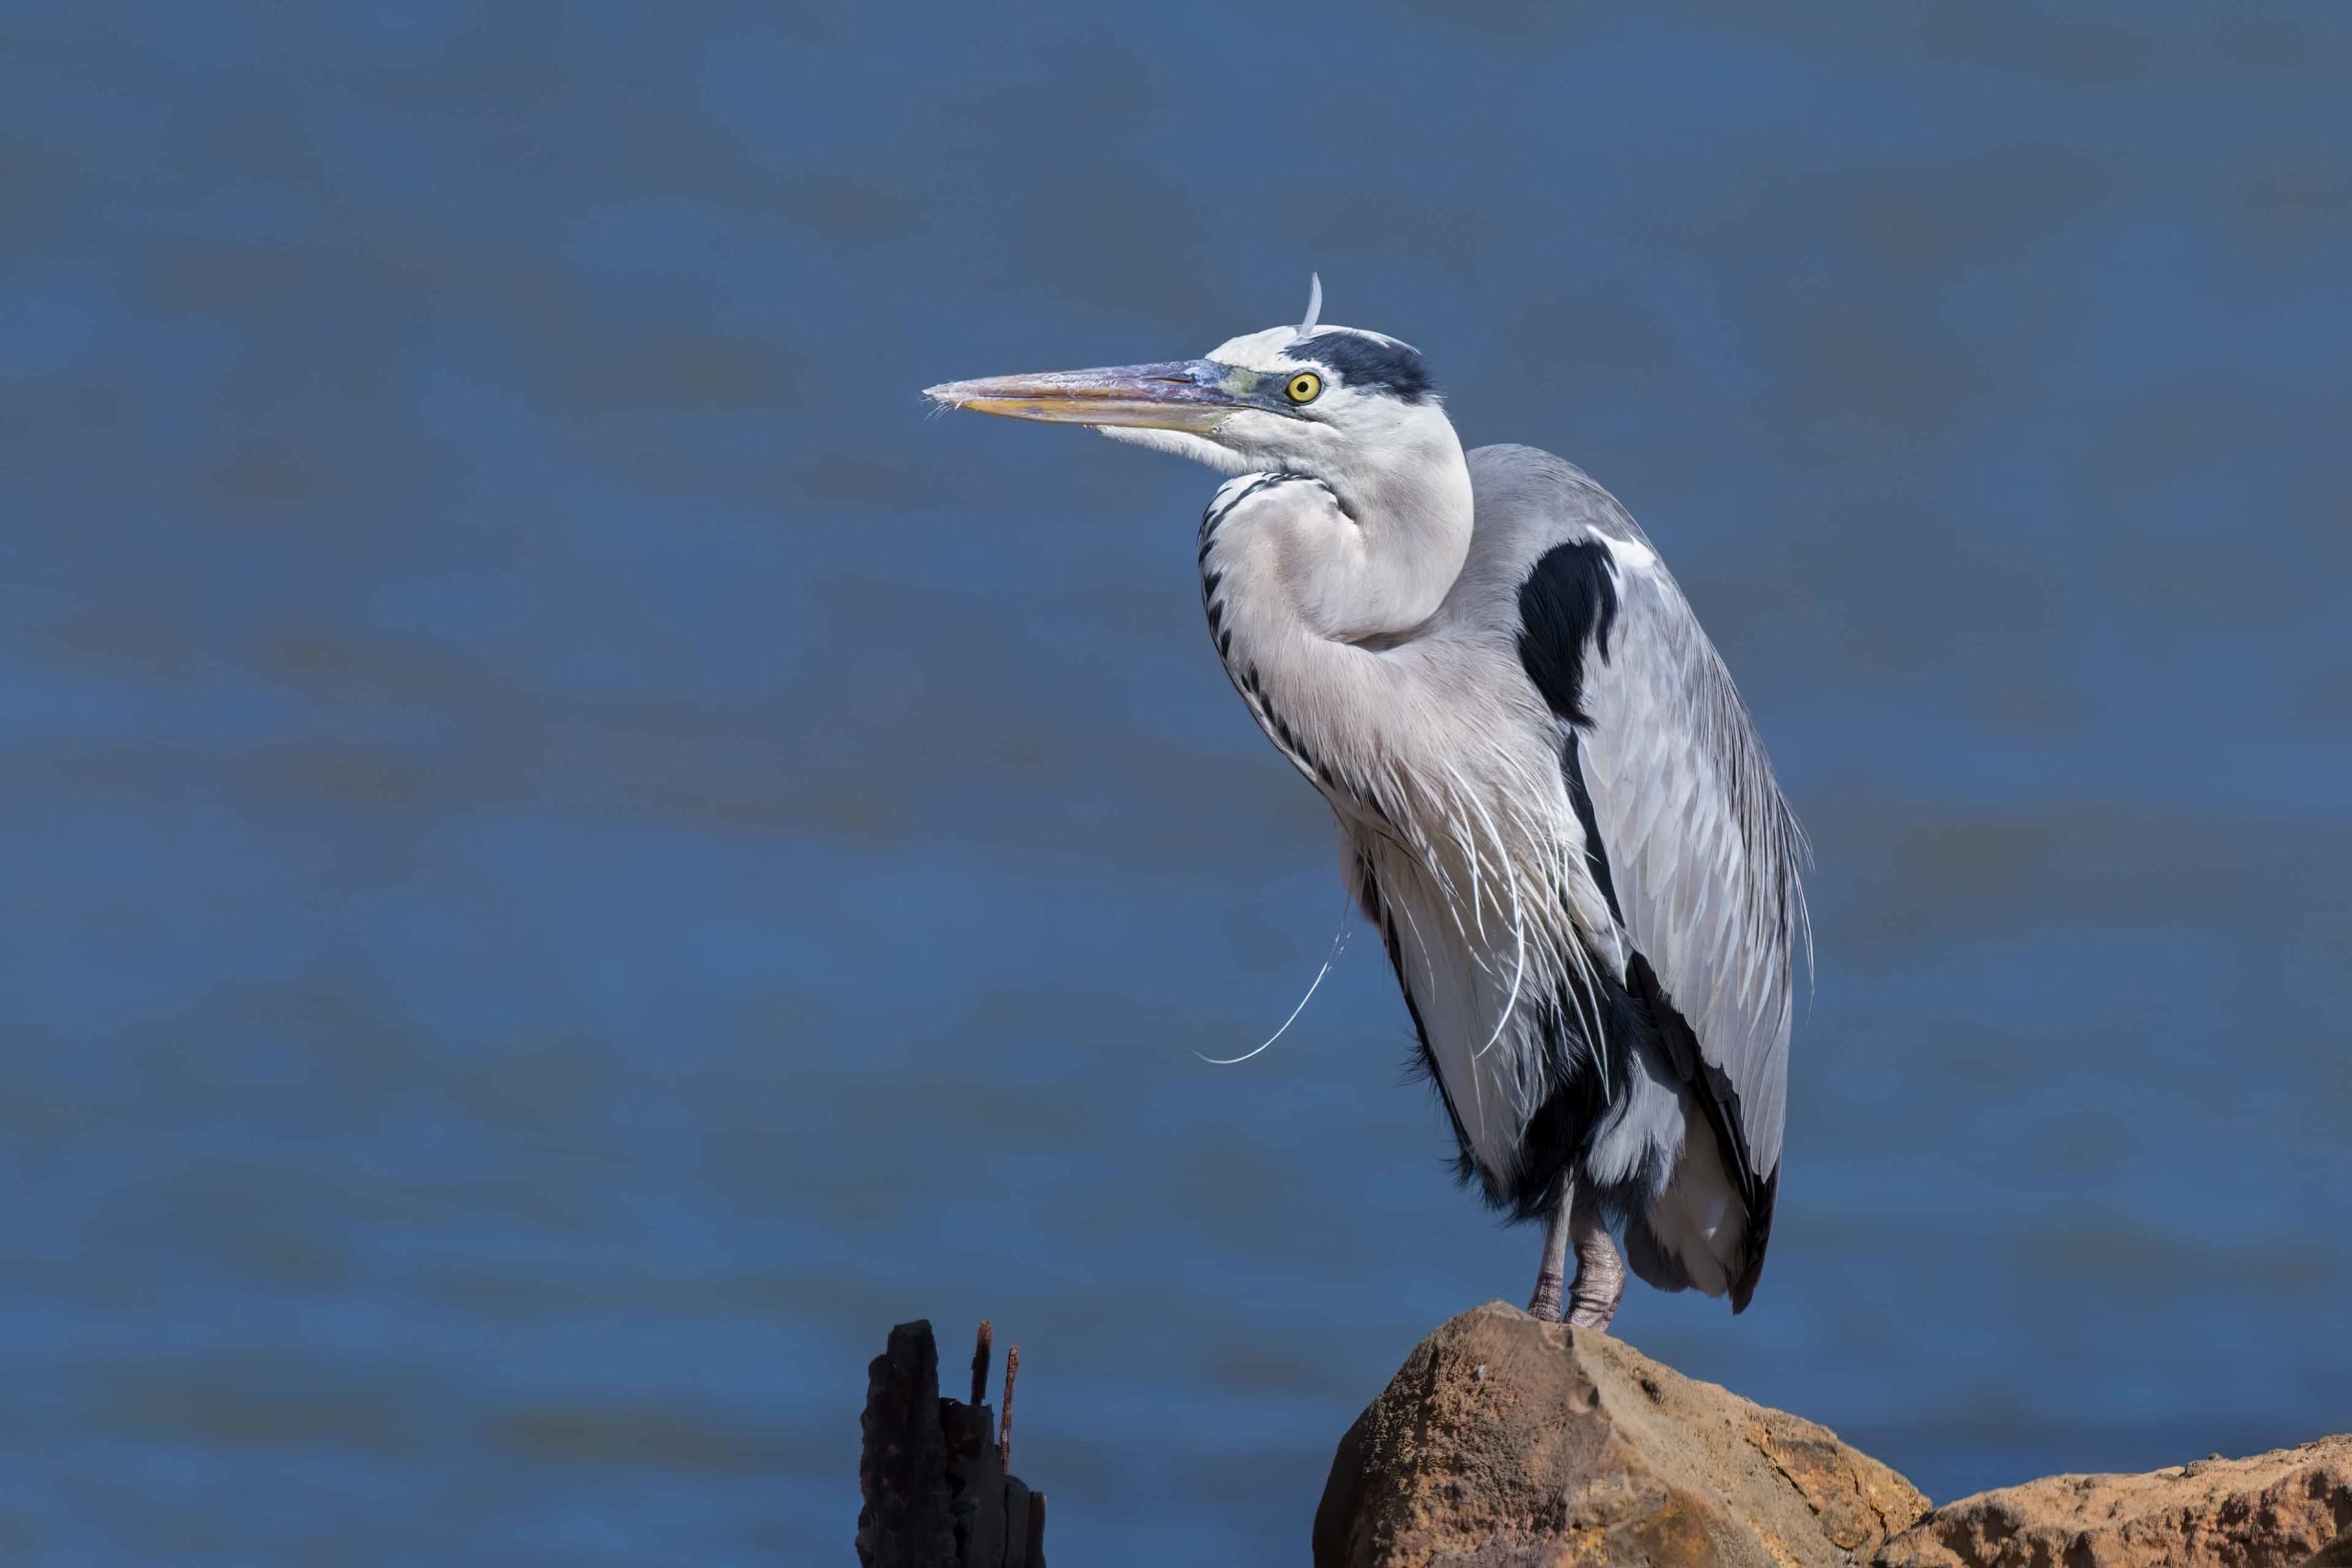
<point>1362,362</point>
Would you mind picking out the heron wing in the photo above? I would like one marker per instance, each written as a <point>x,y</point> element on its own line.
<point>1685,827</point>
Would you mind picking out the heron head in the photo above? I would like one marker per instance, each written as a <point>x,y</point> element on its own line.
<point>1327,400</point>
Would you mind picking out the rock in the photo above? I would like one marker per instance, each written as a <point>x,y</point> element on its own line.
<point>2337,1556</point>
<point>2275,1510</point>
<point>1505,1442</point>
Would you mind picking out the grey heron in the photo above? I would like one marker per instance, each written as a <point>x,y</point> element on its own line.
<point>1551,802</point>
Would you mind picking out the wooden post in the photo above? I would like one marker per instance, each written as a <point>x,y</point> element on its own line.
<point>1004,1432</point>
<point>902,1466</point>
<point>932,1470</point>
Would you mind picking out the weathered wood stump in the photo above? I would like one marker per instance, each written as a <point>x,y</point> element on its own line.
<point>932,1470</point>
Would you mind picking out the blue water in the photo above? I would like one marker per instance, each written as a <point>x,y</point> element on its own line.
<point>567,857</point>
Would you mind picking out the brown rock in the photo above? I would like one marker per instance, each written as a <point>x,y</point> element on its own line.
<point>2337,1556</point>
<point>2275,1510</point>
<point>1508,1443</point>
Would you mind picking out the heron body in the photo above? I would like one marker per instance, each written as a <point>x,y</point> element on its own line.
<point>1552,804</point>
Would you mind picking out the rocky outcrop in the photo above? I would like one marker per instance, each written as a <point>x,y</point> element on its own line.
<point>1505,1442</point>
<point>2275,1510</point>
<point>1508,1443</point>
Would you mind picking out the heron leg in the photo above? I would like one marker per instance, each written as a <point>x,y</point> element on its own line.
<point>1601,1273</point>
<point>1551,1274</point>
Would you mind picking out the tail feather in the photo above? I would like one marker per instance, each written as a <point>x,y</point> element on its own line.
<point>1697,1231</point>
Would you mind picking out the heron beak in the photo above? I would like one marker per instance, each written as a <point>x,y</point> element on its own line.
<point>1185,394</point>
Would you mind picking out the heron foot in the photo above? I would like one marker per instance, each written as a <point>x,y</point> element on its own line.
<point>1600,1278</point>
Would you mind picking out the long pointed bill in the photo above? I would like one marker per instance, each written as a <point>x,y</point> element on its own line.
<point>1185,394</point>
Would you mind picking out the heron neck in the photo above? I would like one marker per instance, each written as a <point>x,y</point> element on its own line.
<point>1409,520</point>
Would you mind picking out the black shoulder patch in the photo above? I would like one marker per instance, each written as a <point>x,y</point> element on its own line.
<point>1360,360</point>
<point>1567,603</point>
<point>1596,853</point>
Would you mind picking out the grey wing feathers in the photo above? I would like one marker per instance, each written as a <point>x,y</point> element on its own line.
<point>1705,855</point>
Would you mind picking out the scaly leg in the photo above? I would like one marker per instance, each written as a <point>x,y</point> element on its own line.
<point>1601,1273</point>
<point>1552,1273</point>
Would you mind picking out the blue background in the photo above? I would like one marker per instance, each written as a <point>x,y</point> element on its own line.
<point>567,857</point>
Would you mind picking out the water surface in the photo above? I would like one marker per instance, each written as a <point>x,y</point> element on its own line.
<point>567,857</point>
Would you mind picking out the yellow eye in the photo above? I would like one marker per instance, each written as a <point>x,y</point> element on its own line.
<point>1304,387</point>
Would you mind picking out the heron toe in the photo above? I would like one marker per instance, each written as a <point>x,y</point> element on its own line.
<point>1599,1284</point>
<point>1595,1312</point>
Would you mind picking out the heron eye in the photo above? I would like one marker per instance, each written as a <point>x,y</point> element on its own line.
<point>1304,387</point>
